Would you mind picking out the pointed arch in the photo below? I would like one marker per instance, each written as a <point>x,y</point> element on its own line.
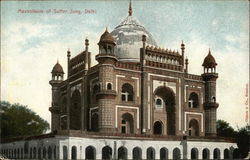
<point>75,110</point>
<point>127,123</point>
<point>150,153</point>
<point>106,153</point>
<point>90,153</point>
<point>176,154</point>
<point>193,100</point>
<point>168,97</point>
<point>127,92</point>
<point>163,153</point>
<point>205,154</point>
<point>122,153</point>
<point>73,153</point>
<point>137,153</point>
<point>194,153</point>
<point>65,153</point>
<point>158,128</point>
<point>226,153</point>
<point>216,153</point>
<point>193,127</point>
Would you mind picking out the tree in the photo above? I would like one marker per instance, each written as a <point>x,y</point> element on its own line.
<point>224,129</point>
<point>243,142</point>
<point>241,135</point>
<point>18,120</point>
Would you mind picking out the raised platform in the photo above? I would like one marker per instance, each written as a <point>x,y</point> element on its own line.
<point>81,145</point>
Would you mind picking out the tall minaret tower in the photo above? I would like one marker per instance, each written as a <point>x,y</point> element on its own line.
<point>210,103</point>
<point>57,78</point>
<point>107,94</point>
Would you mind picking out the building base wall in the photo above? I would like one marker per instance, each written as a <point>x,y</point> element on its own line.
<point>65,147</point>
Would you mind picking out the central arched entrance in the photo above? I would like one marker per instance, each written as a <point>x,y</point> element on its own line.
<point>168,96</point>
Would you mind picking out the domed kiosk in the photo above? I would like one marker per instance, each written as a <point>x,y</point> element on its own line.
<point>128,38</point>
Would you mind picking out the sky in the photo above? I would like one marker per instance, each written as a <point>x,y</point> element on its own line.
<point>31,43</point>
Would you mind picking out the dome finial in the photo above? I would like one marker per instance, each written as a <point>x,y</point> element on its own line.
<point>209,52</point>
<point>130,9</point>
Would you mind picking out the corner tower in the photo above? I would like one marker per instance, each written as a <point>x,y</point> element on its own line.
<point>106,94</point>
<point>57,78</point>
<point>210,104</point>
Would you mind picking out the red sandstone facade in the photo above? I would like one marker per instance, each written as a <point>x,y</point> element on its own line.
<point>153,96</point>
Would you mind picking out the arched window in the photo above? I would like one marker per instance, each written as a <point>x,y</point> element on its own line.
<point>34,153</point>
<point>109,86</point>
<point>216,153</point>
<point>106,153</point>
<point>122,153</point>
<point>127,92</point>
<point>137,153</point>
<point>214,99</point>
<point>193,128</point>
<point>94,122</point>
<point>176,154</point>
<point>158,103</point>
<point>150,153</point>
<point>49,153</point>
<point>226,154</point>
<point>205,154</point>
<point>90,153</point>
<point>73,153</point>
<point>194,153</point>
<point>168,102</point>
<point>158,128</point>
<point>65,153</point>
<point>44,153</point>
<point>75,111</point>
<point>127,123</point>
<point>163,153</point>
<point>193,101</point>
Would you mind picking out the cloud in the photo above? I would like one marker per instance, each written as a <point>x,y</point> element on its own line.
<point>26,70</point>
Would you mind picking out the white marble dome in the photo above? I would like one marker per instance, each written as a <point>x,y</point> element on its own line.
<point>128,38</point>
